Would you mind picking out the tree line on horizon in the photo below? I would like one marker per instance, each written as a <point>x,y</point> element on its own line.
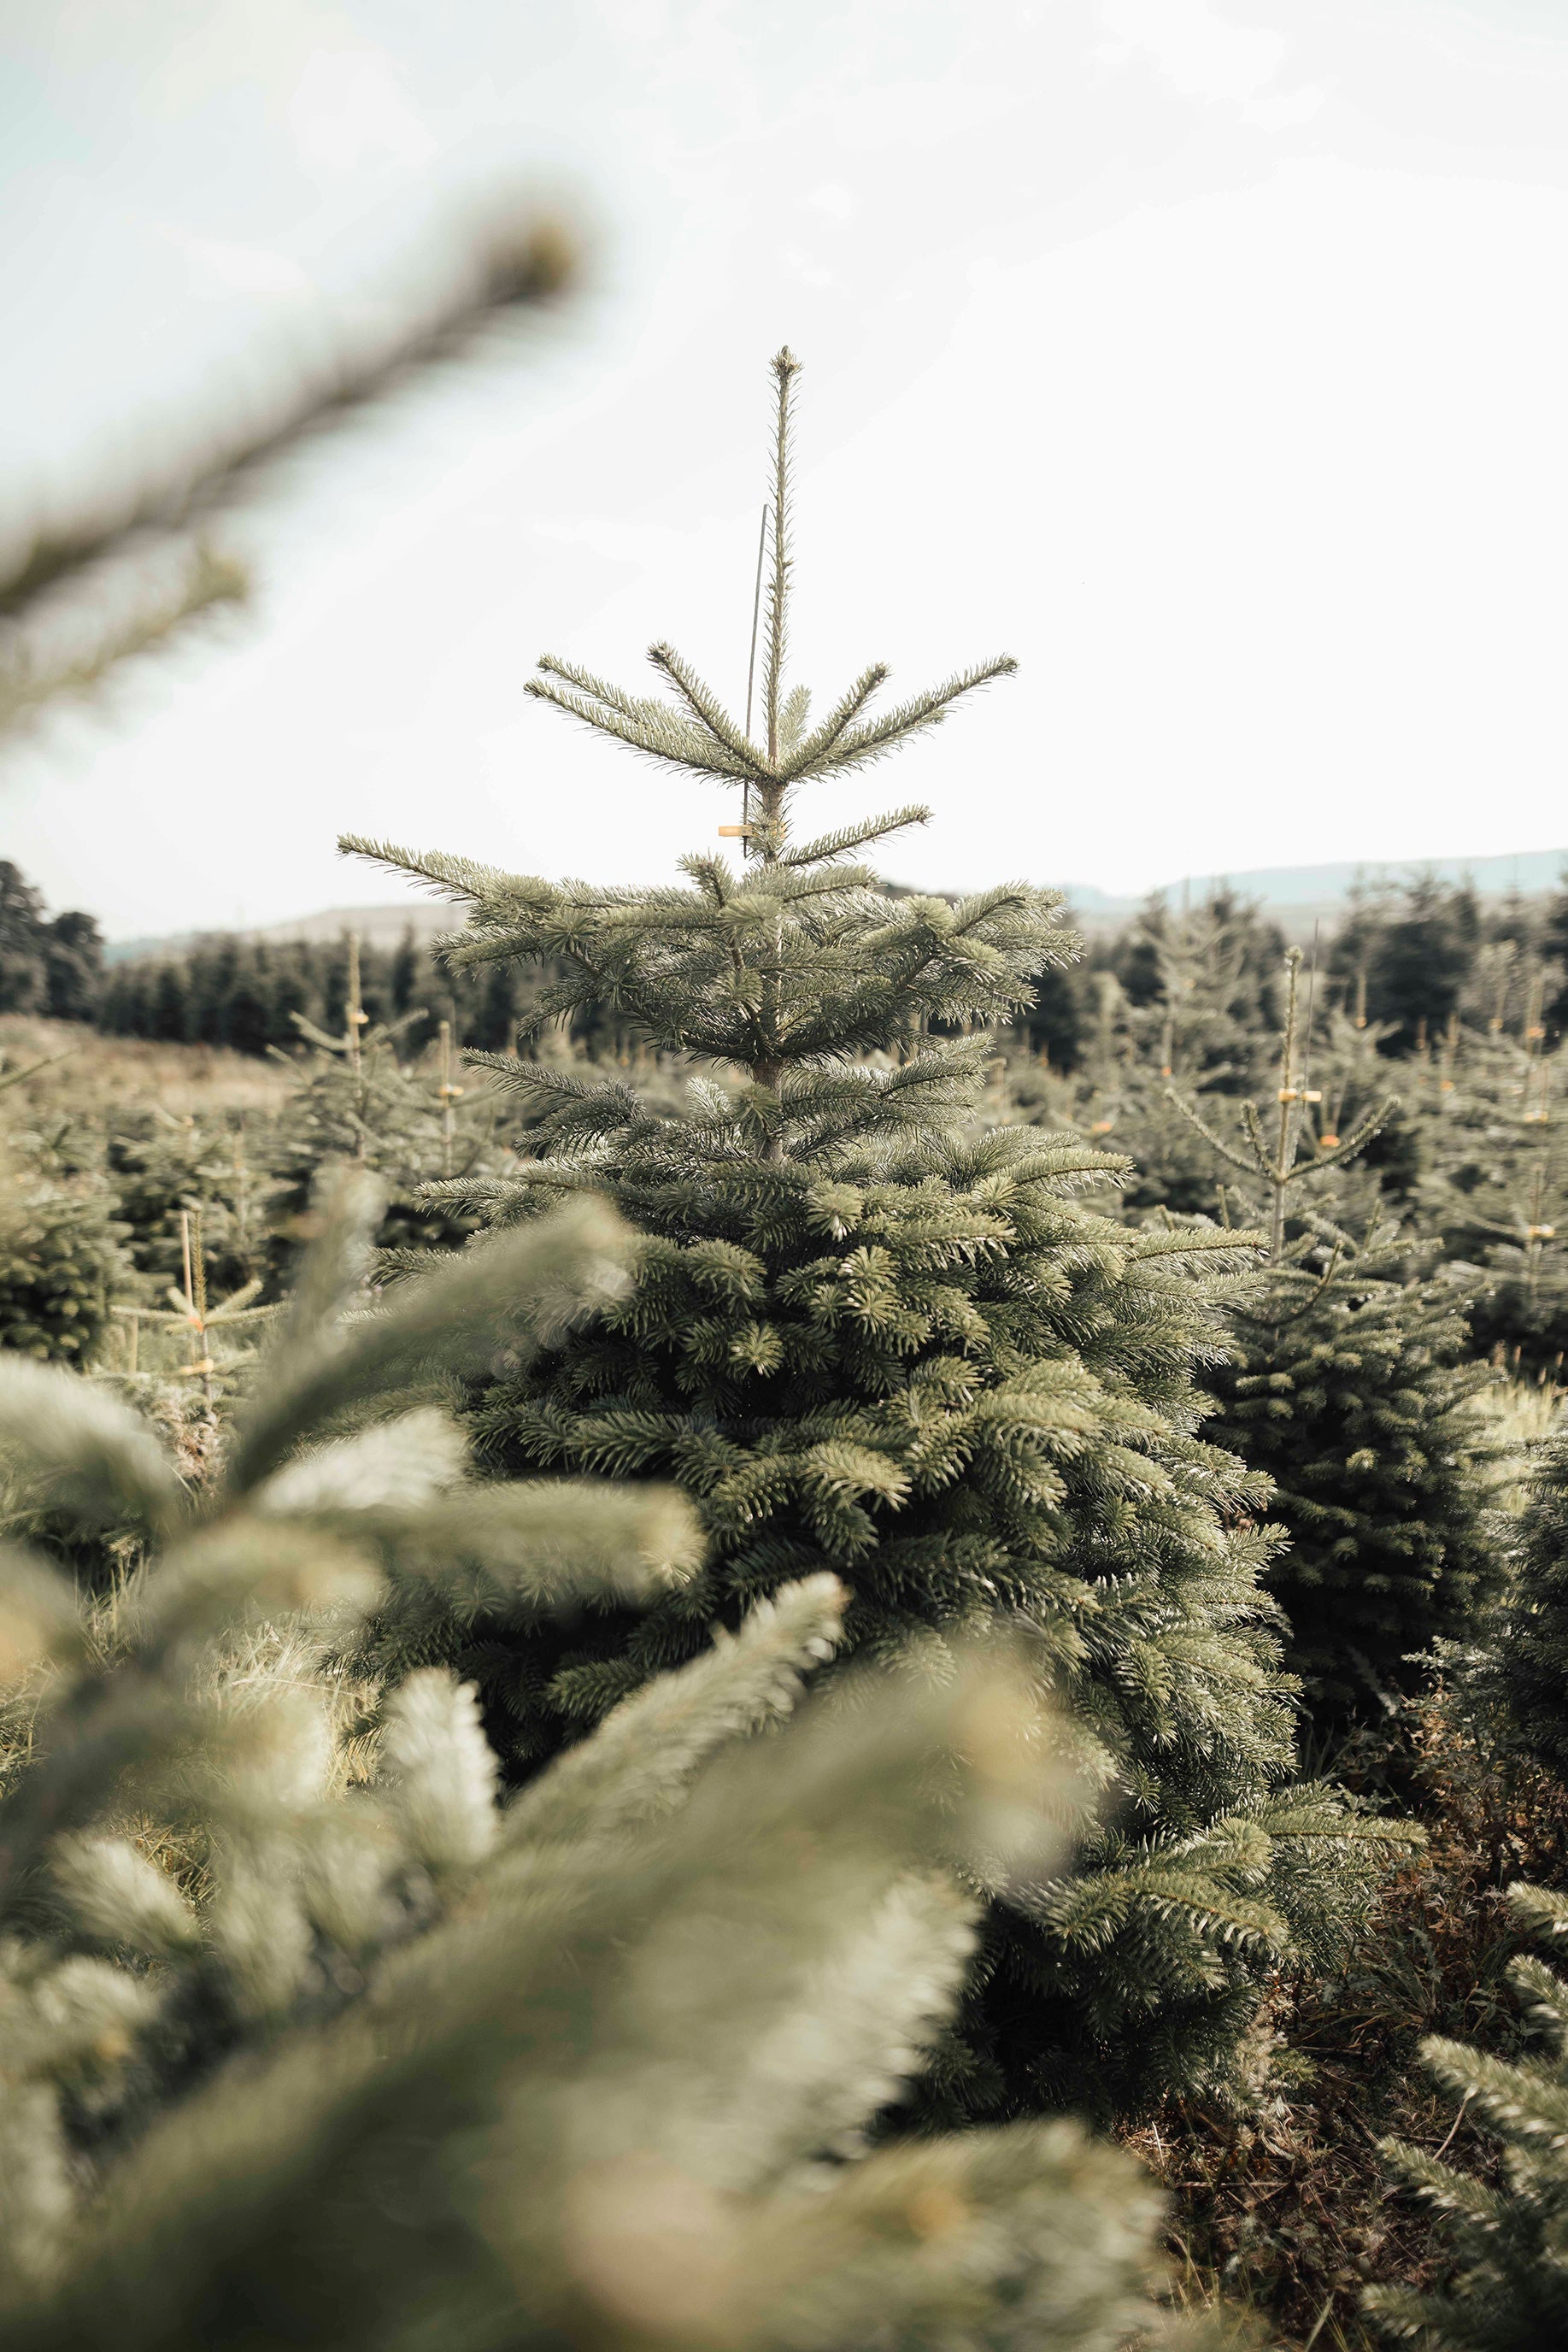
<point>1409,960</point>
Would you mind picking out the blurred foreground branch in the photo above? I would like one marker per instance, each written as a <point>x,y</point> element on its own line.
<point>81,591</point>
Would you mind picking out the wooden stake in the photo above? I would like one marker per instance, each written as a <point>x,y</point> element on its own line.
<point>201,1364</point>
<point>356,1014</point>
<point>448,1097</point>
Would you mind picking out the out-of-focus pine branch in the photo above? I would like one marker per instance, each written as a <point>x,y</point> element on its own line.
<point>82,590</point>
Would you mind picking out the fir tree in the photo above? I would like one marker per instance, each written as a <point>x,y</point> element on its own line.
<point>1532,1641</point>
<point>303,2037</point>
<point>1412,953</point>
<point>170,1008</point>
<point>1349,1385</point>
<point>161,1166</point>
<point>60,1261</point>
<point>1203,986</point>
<point>1554,949</point>
<point>357,1100</point>
<point>1267,1157</point>
<point>343,1481</point>
<point>53,967</point>
<point>1518,1225</point>
<point>61,1251</point>
<point>862,1339</point>
<point>1509,2288</point>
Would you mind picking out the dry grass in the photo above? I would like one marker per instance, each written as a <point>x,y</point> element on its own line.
<point>1523,1410</point>
<point>97,1075</point>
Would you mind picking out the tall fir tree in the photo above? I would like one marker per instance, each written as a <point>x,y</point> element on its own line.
<point>863,1340</point>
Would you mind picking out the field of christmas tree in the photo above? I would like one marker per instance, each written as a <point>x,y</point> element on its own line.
<point>776,1610</point>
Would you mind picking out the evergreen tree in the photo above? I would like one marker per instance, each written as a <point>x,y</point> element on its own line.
<point>1514,1217</point>
<point>357,1100</point>
<point>159,1166</point>
<point>21,928</point>
<point>247,1027</point>
<point>1267,1156</point>
<point>61,1262</point>
<point>1350,1382</point>
<point>49,967</point>
<point>1509,2288</point>
<point>1532,1641</point>
<point>1056,1025</point>
<point>1349,1385</point>
<point>125,1008</point>
<point>171,1011</point>
<point>865,1340</point>
<point>1205,983</point>
<point>216,965</point>
<point>73,967</point>
<point>302,2037</point>
<point>1554,949</point>
<point>404,976</point>
<point>1412,953</point>
<point>290,998</point>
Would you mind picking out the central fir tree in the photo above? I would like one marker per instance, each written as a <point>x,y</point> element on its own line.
<point>864,1333</point>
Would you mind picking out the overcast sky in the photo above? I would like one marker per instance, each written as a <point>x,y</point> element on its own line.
<point>1208,355</point>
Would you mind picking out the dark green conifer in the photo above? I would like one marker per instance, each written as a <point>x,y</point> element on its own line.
<point>1349,1385</point>
<point>358,1100</point>
<point>61,1254</point>
<point>862,1336</point>
<point>159,1166</point>
<point>1413,950</point>
<point>1532,1641</point>
<point>50,966</point>
<point>1520,1222</point>
<point>61,1259</point>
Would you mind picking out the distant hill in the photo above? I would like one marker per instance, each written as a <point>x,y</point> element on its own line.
<point>378,926</point>
<point>1296,896</point>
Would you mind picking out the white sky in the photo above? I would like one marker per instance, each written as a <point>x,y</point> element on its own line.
<point>1208,355</point>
